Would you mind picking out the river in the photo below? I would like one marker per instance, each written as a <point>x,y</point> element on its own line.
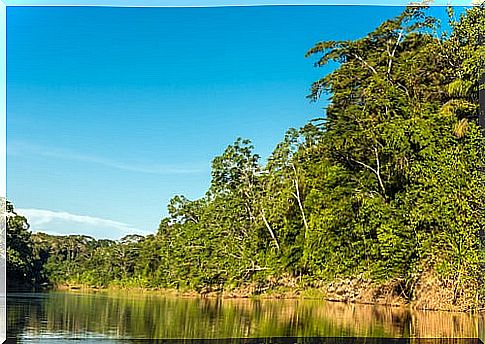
<point>130,315</point>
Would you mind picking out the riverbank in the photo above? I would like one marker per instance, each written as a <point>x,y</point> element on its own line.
<point>429,293</point>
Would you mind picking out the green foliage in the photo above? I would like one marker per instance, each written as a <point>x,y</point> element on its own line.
<point>20,264</point>
<point>386,184</point>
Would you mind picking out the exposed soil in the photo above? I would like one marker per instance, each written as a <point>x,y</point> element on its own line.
<point>429,292</point>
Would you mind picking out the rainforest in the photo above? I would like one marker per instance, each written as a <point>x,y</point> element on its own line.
<point>378,201</point>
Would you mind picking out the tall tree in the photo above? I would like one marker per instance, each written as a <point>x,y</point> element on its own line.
<point>20,262</point>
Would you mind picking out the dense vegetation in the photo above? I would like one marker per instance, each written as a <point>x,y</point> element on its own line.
<point>386,185</point>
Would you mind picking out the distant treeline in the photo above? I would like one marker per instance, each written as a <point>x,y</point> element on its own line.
<point>387,185</point>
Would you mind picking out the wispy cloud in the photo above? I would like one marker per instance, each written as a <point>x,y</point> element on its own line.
<point>61,222</point>
<point>20,148</point>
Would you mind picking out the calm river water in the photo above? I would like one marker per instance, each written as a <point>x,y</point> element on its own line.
<point>45,317</point>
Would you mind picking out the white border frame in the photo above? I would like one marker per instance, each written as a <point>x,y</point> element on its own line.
<point>226,3</point>
<point>131,3</point>
<point>3,171</point>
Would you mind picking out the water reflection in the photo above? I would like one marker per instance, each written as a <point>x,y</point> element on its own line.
<point>127,315</point>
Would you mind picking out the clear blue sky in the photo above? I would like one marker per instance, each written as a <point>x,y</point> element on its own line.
<point>112,111</point>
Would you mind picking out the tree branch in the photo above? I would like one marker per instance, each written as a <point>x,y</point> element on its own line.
<point>270,230</point>
<point>365,63</point>
<point>391,55</point>
<point>298,198</point>
<point>377,171</point>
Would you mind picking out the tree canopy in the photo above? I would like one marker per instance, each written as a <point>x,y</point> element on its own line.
<point>387,184</point>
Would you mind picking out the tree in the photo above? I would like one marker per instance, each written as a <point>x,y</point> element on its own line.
<point>395,139</point>
<point>20,272</point>
<point>385,184</point>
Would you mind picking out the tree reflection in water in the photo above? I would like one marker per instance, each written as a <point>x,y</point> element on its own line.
<point>146,315</point>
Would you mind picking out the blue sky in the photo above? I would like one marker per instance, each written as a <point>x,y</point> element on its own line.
<point>112,111</point>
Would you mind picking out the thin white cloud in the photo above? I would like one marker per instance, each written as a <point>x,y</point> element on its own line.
<point>19,148</point>
<point>49,221</point>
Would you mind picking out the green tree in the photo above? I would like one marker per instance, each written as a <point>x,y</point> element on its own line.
<point>20,264</point>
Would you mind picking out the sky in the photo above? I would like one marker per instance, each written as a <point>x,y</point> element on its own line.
<point>113,111</point>
<point>205,3</point>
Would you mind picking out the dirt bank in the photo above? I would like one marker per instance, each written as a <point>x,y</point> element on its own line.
<point>427,292</point>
